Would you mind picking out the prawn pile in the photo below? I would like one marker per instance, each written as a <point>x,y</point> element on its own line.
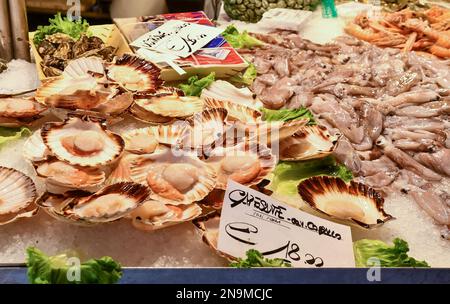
<point>390,108</point>
<point>427,32</point>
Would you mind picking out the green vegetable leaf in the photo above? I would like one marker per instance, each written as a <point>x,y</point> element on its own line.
<point>256,259</point>
<point>240,40</point>
<point>247,77</point>
<point>287,175</point>
<point>389,256</point>
<point>43,269</point>
<point>288,115</point>
<point>194,86</point>
<point>10,134</point>
<point>60,24</point>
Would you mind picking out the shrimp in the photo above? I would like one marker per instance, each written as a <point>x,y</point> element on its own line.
<point>360,33</point>
<point>440,51</point>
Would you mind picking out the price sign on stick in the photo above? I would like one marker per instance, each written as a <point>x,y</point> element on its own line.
<point>178,38</point>
<point>252,220</point>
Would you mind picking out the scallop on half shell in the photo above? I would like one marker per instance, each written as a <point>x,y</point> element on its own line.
<point>309,142</point>
<point>176,179</point>
<point>109,204</point>
<point>235,111</point>
<point>353,202</point>
<point>17,196</point>
<point>82,140</point>
<point>153,215</point>
<point>61,177</point>
<point>134,74</point>
<point>169,106</point>
<point>151,139</point>
<point>246,163</point>
<point>16,112</point>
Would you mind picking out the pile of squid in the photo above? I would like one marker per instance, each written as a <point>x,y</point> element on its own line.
<point>390,108</point>
<point>427,31</point>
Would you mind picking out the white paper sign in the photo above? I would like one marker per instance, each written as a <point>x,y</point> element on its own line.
<point>252,220</point>
<point>178,38</point>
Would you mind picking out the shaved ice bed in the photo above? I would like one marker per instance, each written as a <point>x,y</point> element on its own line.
<point>181,246</point>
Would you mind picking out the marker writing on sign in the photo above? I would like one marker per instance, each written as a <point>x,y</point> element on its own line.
<point>238,197</point>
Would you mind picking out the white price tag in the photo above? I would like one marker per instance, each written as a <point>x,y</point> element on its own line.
<point>252,220</point>
<point>178,38</point>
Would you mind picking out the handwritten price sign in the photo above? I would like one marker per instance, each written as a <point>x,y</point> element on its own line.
<point>251,219</point>
<point>178,38</point>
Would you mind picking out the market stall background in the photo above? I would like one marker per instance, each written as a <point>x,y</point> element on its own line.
<point>181,245</point>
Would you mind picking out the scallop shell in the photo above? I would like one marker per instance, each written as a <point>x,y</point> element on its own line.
<point>61,177</point>
<point>60,90</point>
<point>171,106</point>
<point>34,148</point>
<point>153,215</point>
<point>135,74</point>
<point>309,142</point>
<point>147,140</point>
<point>263,163</point>
<point>270,133</point>
<point>163,191</point>
<point>206,128</point>
<point>122,171</point>
<point>220,88</point>
<point>84,66</point>
<point>20,108</point>
<point>75,128</point>
<point>209,232</point>
<point>235,111</point>
<point>109,204</point>
<point>17,194</point>
<point>354,202</point>
<point>142,114</point>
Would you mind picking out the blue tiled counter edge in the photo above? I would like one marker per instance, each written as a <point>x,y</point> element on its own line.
<point>258,276</point>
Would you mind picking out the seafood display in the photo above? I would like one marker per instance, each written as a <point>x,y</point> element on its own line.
<point>389,108</point>
<point>355,131</point>
<point>408,30</point>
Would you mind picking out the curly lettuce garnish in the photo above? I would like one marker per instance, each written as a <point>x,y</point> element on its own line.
<point>255,259</point>
<point>240,40</point>
<point>44,269</point>
<point>247,77</point>
<point>195,86</point>
<point>287,175</point>
<point>10,134</point>
<point>288,115</point>
<point>388,256</point>
<point>60,24</point>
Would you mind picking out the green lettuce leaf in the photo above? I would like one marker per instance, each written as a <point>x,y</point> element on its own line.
<point>10,134</point>
<point>288,115</point>
<point>194,86</point>
<point>247,77</point>
<point>255,259</point>
<point>60,24</point>
<point>389,256</point>
<point>287,175</point>
<point>43,269</point>
<point>240,40</point>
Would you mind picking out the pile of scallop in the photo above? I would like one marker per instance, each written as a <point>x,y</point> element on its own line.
<point>173,170</point>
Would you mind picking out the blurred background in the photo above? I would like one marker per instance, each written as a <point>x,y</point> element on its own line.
<point>101,11</point>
